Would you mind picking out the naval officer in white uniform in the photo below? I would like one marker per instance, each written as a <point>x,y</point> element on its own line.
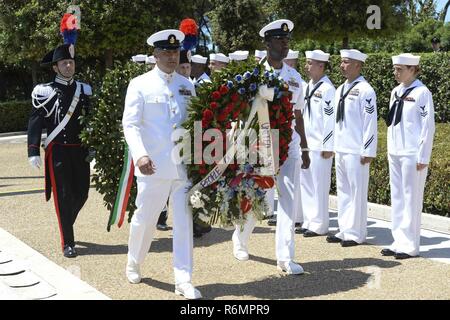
<point>355,144</point>
<point>276,35</point>
<point>410,140</point>
<point>151,114</point>
<point>319,118</point>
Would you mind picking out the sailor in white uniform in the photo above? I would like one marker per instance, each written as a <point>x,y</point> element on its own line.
<point>410,140</point>
<point>151,114</point>
<point>276,35</point>
<point>218,61</point>
<point>198,66</point>
<point>355,144</point>
<point>319,118</point>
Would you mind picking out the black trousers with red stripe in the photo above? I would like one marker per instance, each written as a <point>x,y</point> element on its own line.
<point>69,177</point>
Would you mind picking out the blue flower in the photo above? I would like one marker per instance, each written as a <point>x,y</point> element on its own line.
<point>248,168</point>
<point>266,74</point>
<point>241,90</point>
<point>247,75</point>
<point>253,87</point>
<point>256,72</point>
<point>276,89</point>
<point>260,193</point>
<point>230,84</point>
<point>238,78</point>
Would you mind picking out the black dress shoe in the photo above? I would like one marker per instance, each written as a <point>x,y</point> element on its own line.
<point>202,226</point>
<point>387,253</point>
<point>300,230</point>
<point>298,224</point>
<point>309,234</point>
<point>333,239</point>
<point>349,243</point>
<point>161,224</point>
<point>69,252</point>
<point>402,256</point>
<point>272,221</point>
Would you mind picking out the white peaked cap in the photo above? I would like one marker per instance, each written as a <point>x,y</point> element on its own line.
<point>292,54</point>
<point>150,60</point>
<point>199,59</point>
<point>283,25</point>
<point>406,59</point>
<point>318,55</point>
<point>354,54</point>
<point>219,57</point>
<point>260,53</point>
<point>166,38</point>
<point>139,58</point>
<point>238,55</point>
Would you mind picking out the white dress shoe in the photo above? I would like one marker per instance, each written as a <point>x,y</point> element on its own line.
<point>290,267</point>
<point>188,291</point>
<point>132,272</point>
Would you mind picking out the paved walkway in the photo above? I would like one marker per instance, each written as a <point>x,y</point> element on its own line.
<point>332,272</point>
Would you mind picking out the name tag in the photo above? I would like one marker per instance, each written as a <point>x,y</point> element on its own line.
<point>354,92</point>
<point>293,84</point>
<point>185,92</point>
<point>318,95</point>
<point>410,99</point>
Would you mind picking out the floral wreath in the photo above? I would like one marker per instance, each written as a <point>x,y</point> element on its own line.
<point>219,104</point>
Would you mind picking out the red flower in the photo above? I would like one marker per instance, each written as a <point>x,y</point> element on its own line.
<point>223,116</point>
<point>208,115</point>
<point>276,107</point>
<point>236,114</point>
<point>229,108</point>
<point>203,171</point>
<point>228,125</point>
<point>235,97</point>
<point>285,100</point>
<point>205,123</point>
<point>214,105</point>
<point>223,90</point>
<point>216,95</point>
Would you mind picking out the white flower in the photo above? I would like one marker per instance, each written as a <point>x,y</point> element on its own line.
<point>196,200</point>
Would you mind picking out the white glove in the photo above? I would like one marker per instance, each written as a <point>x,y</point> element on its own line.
<point>35,162</point>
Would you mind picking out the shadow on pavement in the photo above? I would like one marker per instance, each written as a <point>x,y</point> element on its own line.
<point>88,248</point>
<point>321,278</point>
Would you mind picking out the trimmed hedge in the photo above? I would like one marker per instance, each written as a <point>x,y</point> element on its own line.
<point>436,197</point>
<point>378,71</point>
<point>15,115</point>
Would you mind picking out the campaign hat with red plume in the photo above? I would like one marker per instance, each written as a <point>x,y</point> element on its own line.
<point>190,29</point>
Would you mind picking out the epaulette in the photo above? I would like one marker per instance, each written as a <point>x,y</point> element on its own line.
<point>42,91</point>
<point>87,89</point>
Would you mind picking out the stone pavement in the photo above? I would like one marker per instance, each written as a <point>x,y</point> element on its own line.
<point>331,272</point>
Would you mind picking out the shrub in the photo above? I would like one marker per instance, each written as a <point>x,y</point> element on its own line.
<point>14,115</point>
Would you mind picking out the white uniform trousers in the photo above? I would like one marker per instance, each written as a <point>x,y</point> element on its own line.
<point>150,201</point>
<point>315,189</point>
<point>407,187</point>
<point>284,235</point>
<point>352,179</point>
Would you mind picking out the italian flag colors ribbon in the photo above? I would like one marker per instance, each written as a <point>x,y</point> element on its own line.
<point>117,214</point>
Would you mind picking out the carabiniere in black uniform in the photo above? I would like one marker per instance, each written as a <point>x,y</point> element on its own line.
<point>67,171</point>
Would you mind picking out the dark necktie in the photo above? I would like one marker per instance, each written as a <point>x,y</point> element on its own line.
<point>341,105</point>
<point>397,108</point>
<point>309,96</point>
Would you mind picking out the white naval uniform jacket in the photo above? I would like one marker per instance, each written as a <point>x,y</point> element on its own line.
<point>319,124</point>
<point>155,104</point>
<point>357,133</point>
<point>413,135</point>
<point>294,80</point>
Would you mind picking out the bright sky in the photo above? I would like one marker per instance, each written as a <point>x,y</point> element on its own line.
<point>440,6</point>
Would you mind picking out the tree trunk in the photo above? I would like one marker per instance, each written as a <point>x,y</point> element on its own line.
<point>345,42</point>
<point>34,67</point>
<point>108,59</point>
<point>444,11</point>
